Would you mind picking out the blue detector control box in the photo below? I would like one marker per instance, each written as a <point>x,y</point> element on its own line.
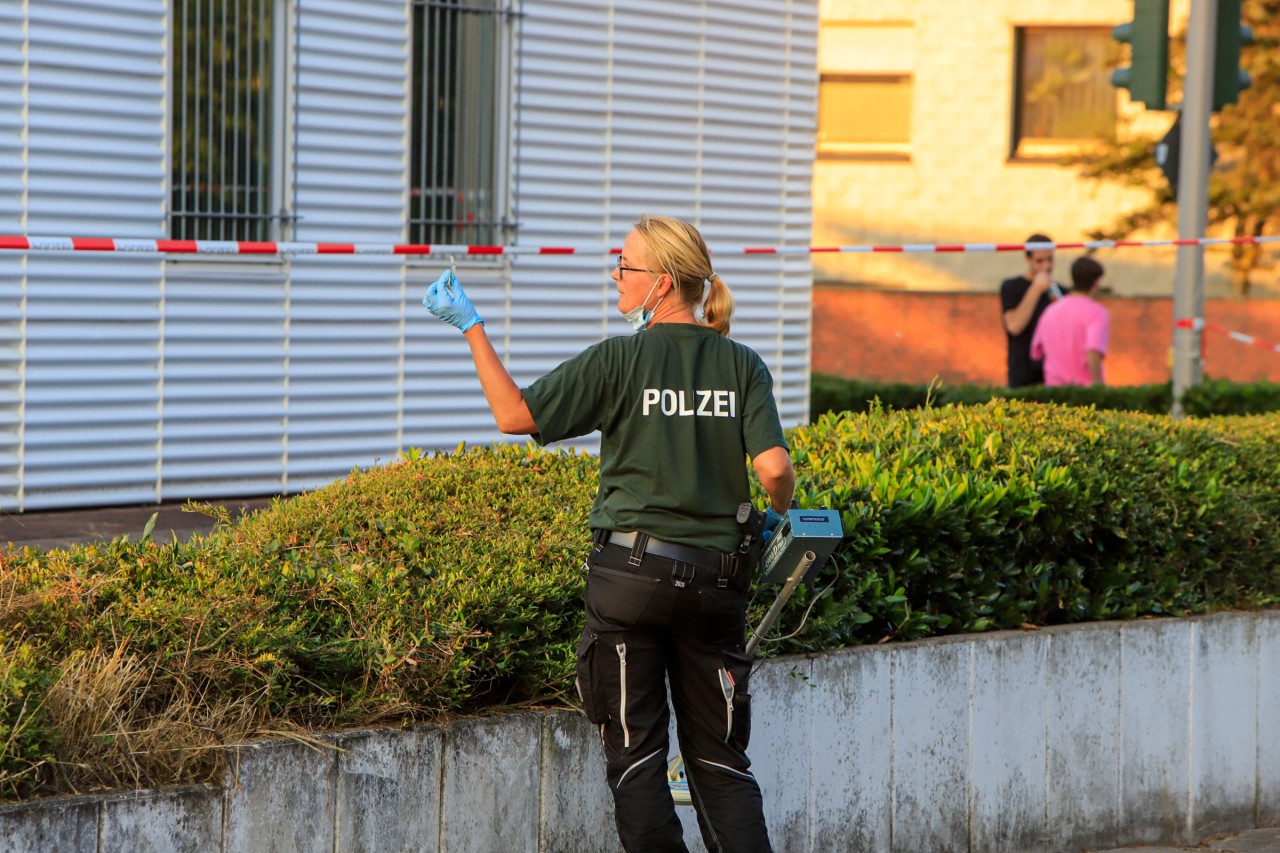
<point>800,531</point>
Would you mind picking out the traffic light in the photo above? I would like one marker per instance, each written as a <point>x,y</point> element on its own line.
<point>1147,35</point>
<point>1228,77</point>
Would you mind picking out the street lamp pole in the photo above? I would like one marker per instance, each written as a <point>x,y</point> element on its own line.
<point>1193,196</point>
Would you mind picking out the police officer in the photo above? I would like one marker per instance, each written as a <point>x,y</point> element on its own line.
<point>680,408</point>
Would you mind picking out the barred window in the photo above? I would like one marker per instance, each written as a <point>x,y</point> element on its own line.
<point>227,114</point>
<point>459,129</point>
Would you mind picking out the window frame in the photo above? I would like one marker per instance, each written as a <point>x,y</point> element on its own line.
<point>281,206</point>
<point>1043,149</point>
<point>885,150</point>
<point>505,225</point>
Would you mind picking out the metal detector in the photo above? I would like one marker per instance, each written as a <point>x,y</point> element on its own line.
<point>799,547</point>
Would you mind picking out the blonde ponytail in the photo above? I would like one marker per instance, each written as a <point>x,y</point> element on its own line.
<point>718,309</point>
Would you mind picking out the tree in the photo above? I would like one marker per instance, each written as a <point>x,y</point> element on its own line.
<point>1244,185</point>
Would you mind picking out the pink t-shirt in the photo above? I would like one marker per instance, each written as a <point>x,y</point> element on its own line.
<point>1067,330</point>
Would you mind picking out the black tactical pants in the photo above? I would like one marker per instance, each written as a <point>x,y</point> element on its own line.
<point>644,627</point>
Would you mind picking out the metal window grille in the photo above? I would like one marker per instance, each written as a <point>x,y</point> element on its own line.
<point>226,105</point>
<point>458,126</point>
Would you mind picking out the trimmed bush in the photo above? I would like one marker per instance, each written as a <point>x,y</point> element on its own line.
<point>1214,397</point>
<point>407,591</point>
<point>453,584</point>
<point>1011,514</point>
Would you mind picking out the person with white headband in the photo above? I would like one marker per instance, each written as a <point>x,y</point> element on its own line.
<point>680,408</point>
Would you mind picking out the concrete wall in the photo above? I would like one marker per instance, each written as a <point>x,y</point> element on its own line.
<point>1065,739</point>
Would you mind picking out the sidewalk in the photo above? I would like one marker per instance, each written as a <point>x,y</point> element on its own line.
<point>60,528</point>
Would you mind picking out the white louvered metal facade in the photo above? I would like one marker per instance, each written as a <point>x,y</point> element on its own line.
<point>132,378</point>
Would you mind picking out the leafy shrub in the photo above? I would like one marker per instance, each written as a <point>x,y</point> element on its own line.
<point>971,518</point>
<point>408,591</point>
<point>23,739</point>
<point>453,583</point>
<point>1232,398</point>
<point>1213,397</point>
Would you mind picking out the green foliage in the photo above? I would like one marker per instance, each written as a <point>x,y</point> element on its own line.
<point>23,740</point>
<point>834,394</point>
<point>453,583</point>
<point>1244,186</point>
<point>1214,397</point>
<point>1009,514</point>
<point>445,584</point>
<point>1231,398</point>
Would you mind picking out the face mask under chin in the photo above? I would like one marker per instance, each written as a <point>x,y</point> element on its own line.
<point>638,317</point>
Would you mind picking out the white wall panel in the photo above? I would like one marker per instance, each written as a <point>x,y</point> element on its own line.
<point>131,378</point>
<point>12,264</point>
<point>695,110</point>
<point>224,379</point>
<point>346,318</point>
<point>94,167</point>
<point>559,304</point>
<point>443,403</point>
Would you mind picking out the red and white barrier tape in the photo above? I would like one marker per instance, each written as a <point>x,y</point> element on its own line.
<point>233,247</point>
<point>1198,324</point>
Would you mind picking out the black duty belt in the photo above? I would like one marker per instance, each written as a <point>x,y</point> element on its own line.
<point>724,565</point>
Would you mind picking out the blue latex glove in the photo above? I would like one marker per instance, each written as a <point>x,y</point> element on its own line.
<point>448,301</point>
<point>771,522</point>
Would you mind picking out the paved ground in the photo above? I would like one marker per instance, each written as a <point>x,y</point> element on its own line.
<point>58,529</point>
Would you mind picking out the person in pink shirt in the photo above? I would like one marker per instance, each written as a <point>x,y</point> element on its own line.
<point>1071,337</point>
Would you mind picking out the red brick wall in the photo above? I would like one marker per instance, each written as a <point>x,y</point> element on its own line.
<point>913,337</point>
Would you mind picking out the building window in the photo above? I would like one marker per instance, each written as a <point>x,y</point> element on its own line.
<point>227,119</point>
<point>1063,94</point>
<point>864,113</point>
<point>865,88</point>
<point>459,125</point>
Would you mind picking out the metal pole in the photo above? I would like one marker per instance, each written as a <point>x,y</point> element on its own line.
<point>793,581</point>
<point>1193,196</point>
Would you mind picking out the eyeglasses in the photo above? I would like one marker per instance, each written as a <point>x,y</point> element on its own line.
<point>622,269</point>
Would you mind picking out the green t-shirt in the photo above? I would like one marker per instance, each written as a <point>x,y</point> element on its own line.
<point>679,408</point>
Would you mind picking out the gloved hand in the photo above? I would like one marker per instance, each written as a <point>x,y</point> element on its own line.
<point>454,308</point>
<point>771,522</point>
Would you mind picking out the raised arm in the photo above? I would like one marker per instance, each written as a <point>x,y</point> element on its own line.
<point>448,301</point>
<point>1017,318</point>
<point>501,392</point>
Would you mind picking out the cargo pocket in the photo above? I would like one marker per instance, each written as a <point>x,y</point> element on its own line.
<point>616,599</point>
<point>585,679</point>
<point>735,678</point>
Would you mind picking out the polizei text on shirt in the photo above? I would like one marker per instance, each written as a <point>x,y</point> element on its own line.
<point>701,403</point>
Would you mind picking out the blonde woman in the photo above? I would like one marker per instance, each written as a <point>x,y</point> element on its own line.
<point>680,408</point>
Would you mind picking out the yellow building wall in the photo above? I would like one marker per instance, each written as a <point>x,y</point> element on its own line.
<point>959,183</point>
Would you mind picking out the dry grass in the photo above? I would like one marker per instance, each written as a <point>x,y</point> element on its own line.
<point>123,724</point>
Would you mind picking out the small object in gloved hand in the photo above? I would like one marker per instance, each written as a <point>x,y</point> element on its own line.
<point>448,301</point>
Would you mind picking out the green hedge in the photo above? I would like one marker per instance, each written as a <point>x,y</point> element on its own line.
<point>454,583</point>
<point>1214,397</point>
